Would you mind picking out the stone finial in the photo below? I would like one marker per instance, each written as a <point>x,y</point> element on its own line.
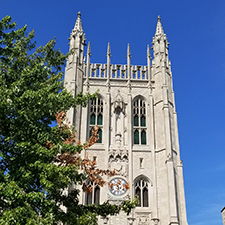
<point>89,49</point>
<point>148,52</point>
<point>78,24</point>
<point>109,50</point>
<point>159,28</point>
<point>128,51</point>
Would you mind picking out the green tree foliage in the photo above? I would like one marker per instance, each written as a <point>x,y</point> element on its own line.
<point>31,94</point>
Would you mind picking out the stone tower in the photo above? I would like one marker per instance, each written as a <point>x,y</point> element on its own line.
<point>138,136</point>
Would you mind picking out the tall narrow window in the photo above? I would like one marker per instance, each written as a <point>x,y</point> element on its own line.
<point>96,117</point>
<point>94,196</point>
<point>138,193</point>
<point>141,190</point>
<point>139,122</point>
<point>141,162</point>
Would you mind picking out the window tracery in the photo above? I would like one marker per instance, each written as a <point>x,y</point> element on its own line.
<point>139,122</point>
<point>96,117</point>
<point>142,192</point>
<point>94,196</point>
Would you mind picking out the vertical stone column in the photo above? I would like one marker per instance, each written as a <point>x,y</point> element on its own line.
<point>128,67</point>
<point>107,108</point>
<point>108,67</point>
<point>130,125</point>
<point>151,140</point>
<point>107,114</point>
<point>180,181</point>
<point>149,64</point>
<point>169,153</point>
<point>88,67</point>
<point>85,111</point>
<point>129,117</point>
<point>130,144</point>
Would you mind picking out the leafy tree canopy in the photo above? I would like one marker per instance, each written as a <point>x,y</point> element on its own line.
<point>37,161</point>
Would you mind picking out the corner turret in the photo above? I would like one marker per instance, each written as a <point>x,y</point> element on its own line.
<point>77,42</point>
<point>160,44</point>
<point>74,71</point>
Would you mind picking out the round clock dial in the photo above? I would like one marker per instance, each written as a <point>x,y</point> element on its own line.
<point>118,186</point>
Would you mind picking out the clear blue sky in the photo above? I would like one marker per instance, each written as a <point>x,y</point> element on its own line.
<point>196,31</point>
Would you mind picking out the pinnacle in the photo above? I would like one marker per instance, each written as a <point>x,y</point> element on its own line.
<point>128,51</point>
<point>78,24</point>
<point>148,52</point>
<point>159,28</point>
<point>89,49</point>
<point>108,50</point>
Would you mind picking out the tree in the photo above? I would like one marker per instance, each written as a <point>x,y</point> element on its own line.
<point>38,161</point>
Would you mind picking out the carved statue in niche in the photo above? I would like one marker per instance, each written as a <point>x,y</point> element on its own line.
<point>119,110</point>
<point>118,103</point>
<point>118,154</point>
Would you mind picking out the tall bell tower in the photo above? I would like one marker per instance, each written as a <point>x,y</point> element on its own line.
<point>137,125</point>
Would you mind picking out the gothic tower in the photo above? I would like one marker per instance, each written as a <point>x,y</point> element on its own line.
<point>138,136</point>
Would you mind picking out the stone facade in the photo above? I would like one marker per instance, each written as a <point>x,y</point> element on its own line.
<point>137,120</point>
<point>223,215</point>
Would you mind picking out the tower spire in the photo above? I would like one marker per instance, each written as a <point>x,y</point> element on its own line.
<point>159,28</point>
<point>77,41</point>
<point>160,43</point>
<point>78,24</point>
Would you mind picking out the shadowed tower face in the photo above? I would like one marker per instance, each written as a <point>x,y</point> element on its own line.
<point>136,116</point>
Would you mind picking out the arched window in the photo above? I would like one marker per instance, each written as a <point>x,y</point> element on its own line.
<point>97,195</point>
<point>96,117</point>
<point>139,122</point>
<point>94,196</point>
<point>142,192</point>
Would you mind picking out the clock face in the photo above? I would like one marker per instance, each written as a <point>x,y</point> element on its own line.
<point>118,186</point>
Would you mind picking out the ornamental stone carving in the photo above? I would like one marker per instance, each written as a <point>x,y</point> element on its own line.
<point>130,220</point>
<point>155,221</point>
<point>118,160</point>
<point>143,220</point>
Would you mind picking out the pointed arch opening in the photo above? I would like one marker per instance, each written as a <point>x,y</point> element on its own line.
<point>96,116</point>
<point>139,121</point>
<point>94,196</point>
<point>141,190</point>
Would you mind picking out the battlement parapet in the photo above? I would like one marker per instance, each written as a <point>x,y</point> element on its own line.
<point>117,71</point>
